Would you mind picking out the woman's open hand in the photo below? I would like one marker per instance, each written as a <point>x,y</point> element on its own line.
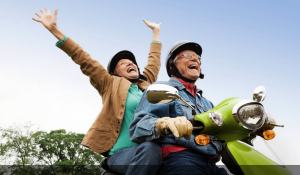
<point>155,28</point>
<point>47,19</point>
<point>152,25</point>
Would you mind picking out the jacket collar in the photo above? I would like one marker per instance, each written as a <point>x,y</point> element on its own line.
<point>180,86</point>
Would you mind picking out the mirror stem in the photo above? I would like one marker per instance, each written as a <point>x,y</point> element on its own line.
<point>179,98</point>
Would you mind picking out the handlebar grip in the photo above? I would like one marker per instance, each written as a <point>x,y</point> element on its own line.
<point>167,131</point>
<point>276,125</point>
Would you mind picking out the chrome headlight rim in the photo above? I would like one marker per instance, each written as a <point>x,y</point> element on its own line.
<point>213,119</point>
<point>246,125</point>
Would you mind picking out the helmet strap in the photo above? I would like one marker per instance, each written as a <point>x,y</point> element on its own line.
<point>137,79</point>
<point>178,75</point>
<point>201,76</point>
<point>131,80</point>
<point>134,80</point>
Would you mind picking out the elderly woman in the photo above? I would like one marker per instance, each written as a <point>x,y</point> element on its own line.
<point>120,87</point>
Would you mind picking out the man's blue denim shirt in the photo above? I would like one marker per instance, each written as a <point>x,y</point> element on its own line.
<point>143,125</point>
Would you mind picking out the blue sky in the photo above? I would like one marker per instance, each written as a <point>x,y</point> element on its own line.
<point>245,44</point>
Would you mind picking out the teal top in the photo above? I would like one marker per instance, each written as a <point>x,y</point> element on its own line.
<point>59,43</point>
<point>133,98</point>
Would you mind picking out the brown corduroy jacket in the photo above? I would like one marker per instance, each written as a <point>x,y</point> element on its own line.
<point>106,128</point>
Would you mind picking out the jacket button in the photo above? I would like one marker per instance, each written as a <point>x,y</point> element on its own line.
<point>118,121</point>
<point>121,113</point>
<point>117,131</point>
<point>123,105</point>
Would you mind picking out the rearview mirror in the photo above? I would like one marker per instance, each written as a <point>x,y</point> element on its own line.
<point>259,94</point>
<point>161,93</point>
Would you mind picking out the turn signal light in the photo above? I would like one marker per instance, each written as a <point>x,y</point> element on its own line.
<point>269,134</point>
<point>202,139</point>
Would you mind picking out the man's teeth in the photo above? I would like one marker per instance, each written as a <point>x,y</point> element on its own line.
<point>193,67</point>
<point>130,69</point>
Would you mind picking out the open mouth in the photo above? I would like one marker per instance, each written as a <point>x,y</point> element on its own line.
<point>193,66</point>
<point>131,69</point>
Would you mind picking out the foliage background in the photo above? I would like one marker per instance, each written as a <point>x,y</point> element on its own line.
<point>39,152</point>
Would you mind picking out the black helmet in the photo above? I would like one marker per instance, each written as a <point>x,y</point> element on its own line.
<point>176,49</point>
<point>124,54</point>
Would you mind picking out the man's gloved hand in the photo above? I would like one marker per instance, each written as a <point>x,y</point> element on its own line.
<point>179,126</point>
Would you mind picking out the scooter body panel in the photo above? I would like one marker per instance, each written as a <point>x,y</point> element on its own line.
<point>253,162</point>
<point>230,130</point>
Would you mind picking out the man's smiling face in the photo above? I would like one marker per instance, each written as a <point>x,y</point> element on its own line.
<point>188,67</point>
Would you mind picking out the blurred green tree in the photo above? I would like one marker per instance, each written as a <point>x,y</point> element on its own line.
<point>19,145</point>
<point>32,151</point>
<point>63,151</point>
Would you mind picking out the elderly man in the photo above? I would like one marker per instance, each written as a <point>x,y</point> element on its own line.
<point>151,120</point>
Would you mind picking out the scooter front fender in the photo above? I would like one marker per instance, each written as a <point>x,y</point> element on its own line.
<point>241,158</point>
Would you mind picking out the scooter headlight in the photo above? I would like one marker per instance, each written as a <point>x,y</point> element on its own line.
<point>250,114</point>
<point>216,118</point>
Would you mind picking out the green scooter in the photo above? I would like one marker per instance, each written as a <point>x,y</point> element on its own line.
<point>236,123</point>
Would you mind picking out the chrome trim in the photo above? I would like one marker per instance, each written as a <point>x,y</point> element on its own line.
<point>259,120</point>
<point>212,119</point>
<point>259,94</point>
<point>245,127</point>
<point>236,118</point>
<point>238,106</point>
<point>162,93</point>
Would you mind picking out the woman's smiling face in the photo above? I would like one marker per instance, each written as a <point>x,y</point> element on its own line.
<point>127,69</point>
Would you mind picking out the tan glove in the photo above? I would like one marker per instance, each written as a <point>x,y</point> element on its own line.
<point>179,126</point>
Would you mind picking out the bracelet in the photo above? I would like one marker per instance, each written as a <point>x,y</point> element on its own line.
<point>59,43</point>
<point>156,42</point>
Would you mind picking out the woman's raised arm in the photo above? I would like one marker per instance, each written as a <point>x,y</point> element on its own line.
<point>152,69</point>
<point>49,21</point>
<point>99,77</point>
